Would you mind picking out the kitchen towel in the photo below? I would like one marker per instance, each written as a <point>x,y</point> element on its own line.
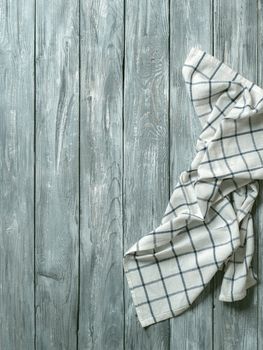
<point>207,225</point>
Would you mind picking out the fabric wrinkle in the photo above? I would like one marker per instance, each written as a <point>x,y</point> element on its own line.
<point>207,225</point>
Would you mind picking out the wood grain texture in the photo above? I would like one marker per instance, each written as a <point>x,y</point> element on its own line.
<point>57,176</point>
<point>235,42</point>
<point>17,175</point>
<point>258,223</point>
<point>146,153</point>
<point>190,23</point>
<point>95,127</point>
<point>101,273</point>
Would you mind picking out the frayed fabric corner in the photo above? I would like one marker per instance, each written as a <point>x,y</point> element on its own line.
<point>207,225</point>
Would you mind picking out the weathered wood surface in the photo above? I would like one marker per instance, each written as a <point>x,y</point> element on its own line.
<point>146,151</point>
<point>57,175</point>
<point>17,175</point>
<point>190,25</point>
<point>258,225</point>
<point>96,127</point>
<point>101,324</point>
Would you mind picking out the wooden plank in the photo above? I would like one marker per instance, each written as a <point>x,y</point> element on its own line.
<point>17,175</point>
<point>146,153</point>
<point>57,195</point>
<point>190,26</point>
<point>258,222</point>
<point>235,42</point>
<point>101,273</point>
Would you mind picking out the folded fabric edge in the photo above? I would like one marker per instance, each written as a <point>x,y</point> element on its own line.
<point>145,322</point>
<point>229,298</point>
<point>196,53</point>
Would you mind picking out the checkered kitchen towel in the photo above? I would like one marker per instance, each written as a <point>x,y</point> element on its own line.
<point>207,225</point>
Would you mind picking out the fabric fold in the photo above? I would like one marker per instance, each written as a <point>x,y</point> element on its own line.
<point>207,225</point>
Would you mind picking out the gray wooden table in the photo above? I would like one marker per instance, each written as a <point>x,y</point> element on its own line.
<point>95,128</point>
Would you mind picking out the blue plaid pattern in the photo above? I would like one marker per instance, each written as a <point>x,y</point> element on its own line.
<point>207,225</point>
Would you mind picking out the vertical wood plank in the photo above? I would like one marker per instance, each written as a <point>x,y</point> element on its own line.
<point>101,274</point>
<point>191,25</point>
<point>146,153</point>
<point>57,197</point>
<point>259,203</point>
<point>235,42</point>
<point>17,174</point>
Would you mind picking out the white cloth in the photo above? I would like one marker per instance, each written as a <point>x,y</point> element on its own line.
<point>207,224</point>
